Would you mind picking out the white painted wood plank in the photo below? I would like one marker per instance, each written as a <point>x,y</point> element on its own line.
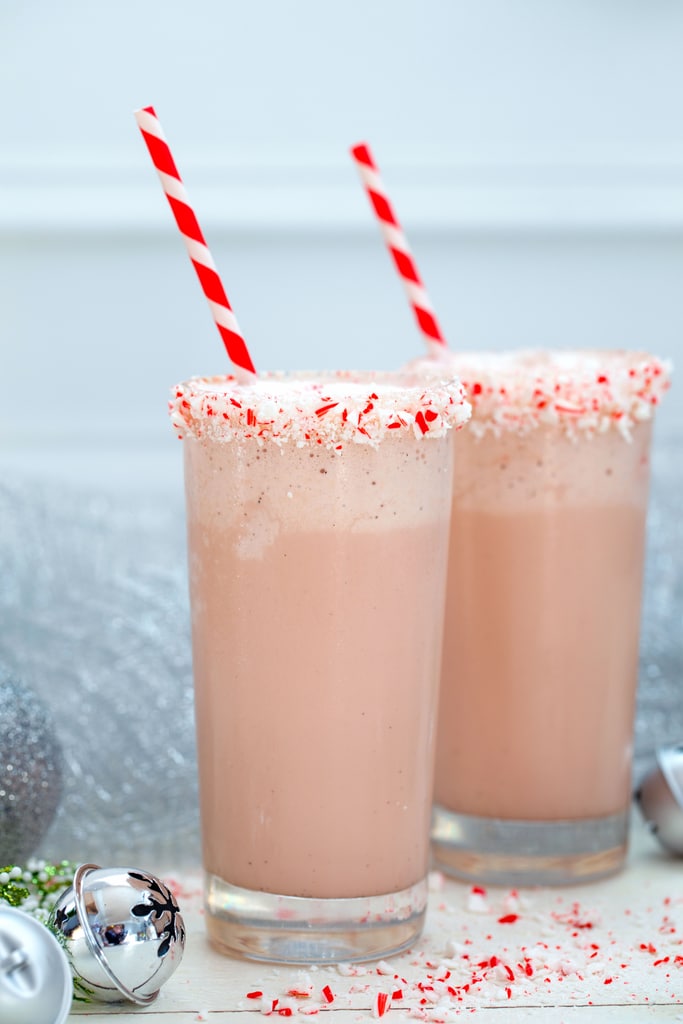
<point>498,1015</point>
<point>588,197</point>
<point>617,944</point>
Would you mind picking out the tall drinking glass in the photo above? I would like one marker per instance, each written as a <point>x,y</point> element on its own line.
<point>317,512</point>
<point>533,771</point>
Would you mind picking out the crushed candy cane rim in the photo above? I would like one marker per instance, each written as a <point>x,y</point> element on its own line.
<point>329,409</point>
<point>579,390</point>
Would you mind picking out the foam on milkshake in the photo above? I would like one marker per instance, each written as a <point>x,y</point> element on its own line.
<point>329,416</point>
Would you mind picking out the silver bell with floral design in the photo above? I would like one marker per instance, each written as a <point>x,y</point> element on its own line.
<point>122,931</point>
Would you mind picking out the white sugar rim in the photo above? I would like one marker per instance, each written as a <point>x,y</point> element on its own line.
<point>587,390</point>
<point>320,408</point>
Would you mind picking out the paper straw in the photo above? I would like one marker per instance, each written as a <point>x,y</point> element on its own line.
<point>398,247</point>
<point>199,254</point>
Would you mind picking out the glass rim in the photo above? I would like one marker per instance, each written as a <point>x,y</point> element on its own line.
<point>331,408</point>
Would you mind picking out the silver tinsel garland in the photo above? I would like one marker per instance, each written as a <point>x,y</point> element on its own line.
<point>93,600</point>
<point>659,718</point>
<point>94,609</point>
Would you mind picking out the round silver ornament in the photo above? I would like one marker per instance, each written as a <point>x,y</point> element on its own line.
<point>35,980</point>
<point>660,797</point>
<point>30,771</point>
<point>122,931</point>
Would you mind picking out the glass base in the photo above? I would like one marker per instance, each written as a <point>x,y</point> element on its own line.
<point>298,930</point>
<point>523,853</point>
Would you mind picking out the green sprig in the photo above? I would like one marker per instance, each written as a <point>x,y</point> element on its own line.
<point>36,886</point>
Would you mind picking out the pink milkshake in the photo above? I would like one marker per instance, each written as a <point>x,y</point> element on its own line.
<point>533,771</point>
<point>318,516</point>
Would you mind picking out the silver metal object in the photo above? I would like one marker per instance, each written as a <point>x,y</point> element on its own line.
<point>30,770</point>
<point>660,797</point>
<point>122,931</point>
<point>35,980</point>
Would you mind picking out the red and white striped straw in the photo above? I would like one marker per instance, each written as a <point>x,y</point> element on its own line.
<point>397,244</point>
<point>197,249</point>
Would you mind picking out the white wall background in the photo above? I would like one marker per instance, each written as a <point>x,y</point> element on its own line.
<point>534,150</point>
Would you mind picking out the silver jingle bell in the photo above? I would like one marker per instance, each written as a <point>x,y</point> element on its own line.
<point>660,797</point>
<point>122,931</point>
<point>35,980</point>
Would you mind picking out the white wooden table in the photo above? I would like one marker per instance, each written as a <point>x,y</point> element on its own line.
<point>604,952</point>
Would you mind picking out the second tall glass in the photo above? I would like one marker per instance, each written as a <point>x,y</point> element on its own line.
<point>533,776</point>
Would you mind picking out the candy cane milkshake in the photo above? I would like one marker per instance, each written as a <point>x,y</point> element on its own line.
<point>318,530</point>
<point>533,774</point>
